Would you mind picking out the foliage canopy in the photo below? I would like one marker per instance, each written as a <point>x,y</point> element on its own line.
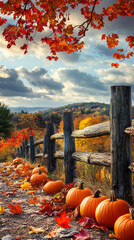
<point>52,19</point>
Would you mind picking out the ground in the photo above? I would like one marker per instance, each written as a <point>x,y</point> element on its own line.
<point>17,225</point>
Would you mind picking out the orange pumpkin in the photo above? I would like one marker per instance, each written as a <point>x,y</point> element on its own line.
<point>20,167</point>
<point>38,179</point>
<point>124,226</point>
<point>110,209</point>
<point>23,166</point>
<point>89,204</point>
<point>17,161</point>
<point>36,169</point>
<point>75,195</point>
<point>53,187</point>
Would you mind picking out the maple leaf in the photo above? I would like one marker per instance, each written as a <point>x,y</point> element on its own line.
<point>82,235</point>
<point>2,209</point>
<point>36,230</point>
<point>26,186</point>
<point>33,200</point>
<point>86,222</point>
<point>16,209</point>
<point>116,65</point>
<point>63,220</point>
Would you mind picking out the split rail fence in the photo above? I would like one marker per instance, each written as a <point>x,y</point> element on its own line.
<point>120,128</point>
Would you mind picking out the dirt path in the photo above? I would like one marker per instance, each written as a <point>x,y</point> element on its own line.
<point>17,225</point>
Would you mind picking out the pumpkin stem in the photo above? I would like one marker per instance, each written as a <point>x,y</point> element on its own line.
<point>40,171</point>
<point>112,196</point>
<point>97,194</point>
<point>81,185</point>
<point>131,210</point>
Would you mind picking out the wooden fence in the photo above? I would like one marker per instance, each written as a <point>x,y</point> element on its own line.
<point>120,128</point>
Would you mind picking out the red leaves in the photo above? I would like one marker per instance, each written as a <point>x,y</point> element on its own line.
<point>82,235</point>
<point>16,209</point>
<point>116,65</point>
<point>63,220</point>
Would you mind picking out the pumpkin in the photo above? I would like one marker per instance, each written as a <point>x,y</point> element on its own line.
<point>110,209</point>
<point>17,161</point>
<point>52,187</point>
<point>89,204</point>
<point>124,226</point>
<point>36,169</point>
<point>22,166</point>
<point>38,179</point>
<point>76,194</point>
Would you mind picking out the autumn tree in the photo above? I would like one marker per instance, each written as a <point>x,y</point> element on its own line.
<point>5,121</point>
<point>52,18</point>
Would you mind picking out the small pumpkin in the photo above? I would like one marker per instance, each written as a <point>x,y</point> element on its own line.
<point>124,226</point>
<point>110,209</point>
<point>75,195</point>
<point>23,166</point>
<point>53,187</point>
<point>17,161</point>
<point>38,179</point>
<point>20,167</point>
<point>90,203</point>
<point>36,169</point>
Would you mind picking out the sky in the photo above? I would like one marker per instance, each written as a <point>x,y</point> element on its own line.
<point>31,80</point>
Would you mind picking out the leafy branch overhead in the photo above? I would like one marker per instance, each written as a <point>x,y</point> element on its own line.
<point>52,19</point>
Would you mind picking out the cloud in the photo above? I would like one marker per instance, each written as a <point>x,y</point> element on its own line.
<point>39,78</point>
<point>104,50</point>
<point>82,79</point>
<point>12,86</point>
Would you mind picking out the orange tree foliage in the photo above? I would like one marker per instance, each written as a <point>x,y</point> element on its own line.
<point>8,146</point>
<point>52,17</point>
<point>97,144</point>
<point>33,121</point>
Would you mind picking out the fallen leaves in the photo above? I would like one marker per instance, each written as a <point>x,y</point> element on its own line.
<point>26,186</point>
<point>2,209</point>
<point>16,208</point>
<point>82,235</point>
<point>63,220</point>
<point>36,230</point>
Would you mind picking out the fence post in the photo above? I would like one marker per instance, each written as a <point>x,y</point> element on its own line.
<point>32,149</point>
<point>120,118</point>
<point>69,147</point>
<point>51,147</point>
<point>45,145</point>
<point>23,149</point>
<point>26,149</point>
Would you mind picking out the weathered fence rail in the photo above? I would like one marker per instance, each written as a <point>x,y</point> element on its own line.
<point>120,128</point>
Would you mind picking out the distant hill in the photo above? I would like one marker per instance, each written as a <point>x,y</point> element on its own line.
<point>27,109</point>
<point>81,108</point>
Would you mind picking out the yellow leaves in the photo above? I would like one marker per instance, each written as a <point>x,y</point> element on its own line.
<point>26,186</point>
<point>36,230</point>
<point>2,209</point>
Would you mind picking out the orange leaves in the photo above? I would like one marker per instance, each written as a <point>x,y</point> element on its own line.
<point>111,40</point>
<point>63,220</point>
<point>26,186</point>
<point>16,208</point>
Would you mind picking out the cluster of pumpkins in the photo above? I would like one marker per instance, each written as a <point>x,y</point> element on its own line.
<point>110,212</point>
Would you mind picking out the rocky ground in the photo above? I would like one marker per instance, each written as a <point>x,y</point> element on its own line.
<point>30,224</point>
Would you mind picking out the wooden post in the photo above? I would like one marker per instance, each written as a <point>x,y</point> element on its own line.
<point>45,145</point>
<point>69,147</point>
<point>120,119</point>
<point>23,149</point>
<point>26,149</point>
<point>51,147</point>
<point>32,149</point>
